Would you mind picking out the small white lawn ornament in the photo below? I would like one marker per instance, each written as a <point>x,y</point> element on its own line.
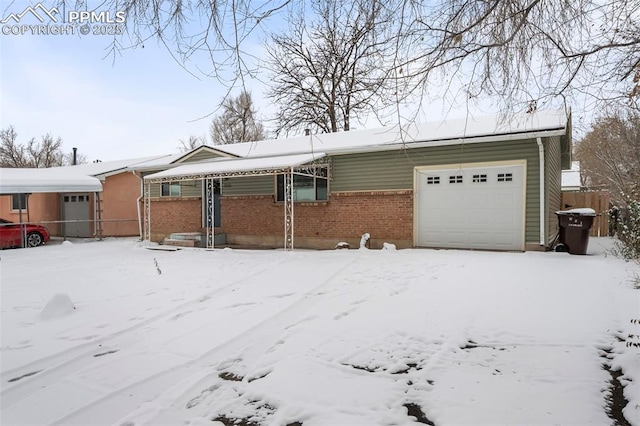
<point>364,240</point>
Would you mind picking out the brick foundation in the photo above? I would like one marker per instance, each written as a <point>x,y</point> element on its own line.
<point>386,215</point>
<point>170,215</point>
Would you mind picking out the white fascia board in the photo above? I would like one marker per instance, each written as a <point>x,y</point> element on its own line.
<point>447,142</point>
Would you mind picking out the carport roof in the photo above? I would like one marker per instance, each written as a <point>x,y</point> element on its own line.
<point>28,181</point>
<point>229,167</point>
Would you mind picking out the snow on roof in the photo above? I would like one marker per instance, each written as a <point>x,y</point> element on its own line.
<point>110,167</point>
<point>157,162</point>
<point>223,166</point>
<point>571,179</point>
<point>55,179</point>
<point>442,132</point>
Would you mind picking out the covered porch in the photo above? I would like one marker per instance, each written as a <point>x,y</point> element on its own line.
<point>211,171</point>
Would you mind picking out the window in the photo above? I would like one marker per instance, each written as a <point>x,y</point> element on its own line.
<point>479,178</point>
<point>505,177</point>
<point>306,188</point>
<point>170,189</point>
<point>19,202</point>
<point>455,179</point>
<point>433,180</point>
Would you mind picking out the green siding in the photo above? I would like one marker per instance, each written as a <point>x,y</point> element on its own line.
<point>202,155</point>
<point>189,188</point>
<point>553,173</point>
<point>394,170</point>
<point>250,185</point>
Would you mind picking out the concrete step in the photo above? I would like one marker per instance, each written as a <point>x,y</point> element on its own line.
<point>193,239</point>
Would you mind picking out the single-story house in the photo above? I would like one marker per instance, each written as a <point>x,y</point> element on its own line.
<point>74,211</point>
<point>477,183</point>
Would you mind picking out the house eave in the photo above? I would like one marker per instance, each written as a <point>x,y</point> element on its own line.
<point>452,141</point>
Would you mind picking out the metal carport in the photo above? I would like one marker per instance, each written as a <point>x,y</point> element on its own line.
<point>47,180</point>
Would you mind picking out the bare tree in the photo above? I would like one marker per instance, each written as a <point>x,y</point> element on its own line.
<point>610,155</point>
<point>216,28</point>
<point>192,142</point>
<point>237,122</point>
<point>11,154</point>
<point>524,52</point>
<point>46,153</point>
<point>331,70</point>
<point>67,159</point>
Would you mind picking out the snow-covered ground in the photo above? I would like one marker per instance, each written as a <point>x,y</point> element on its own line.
<point>112,333</point>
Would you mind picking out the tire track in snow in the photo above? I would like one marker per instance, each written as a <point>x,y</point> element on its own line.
<point>55,366</point>
<point>116,403</point>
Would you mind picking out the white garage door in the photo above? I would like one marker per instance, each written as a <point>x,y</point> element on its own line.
<point>470,207</point>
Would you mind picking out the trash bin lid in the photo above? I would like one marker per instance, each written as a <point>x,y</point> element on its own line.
<point>585,211</point>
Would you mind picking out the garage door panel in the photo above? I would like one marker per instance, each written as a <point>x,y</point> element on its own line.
<point>476,207</point>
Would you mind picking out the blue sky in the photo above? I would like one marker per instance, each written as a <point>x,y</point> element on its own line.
<point>140,104</point>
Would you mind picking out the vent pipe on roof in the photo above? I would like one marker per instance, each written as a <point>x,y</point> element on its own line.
<point>307,132</point>
<point>75,156</point>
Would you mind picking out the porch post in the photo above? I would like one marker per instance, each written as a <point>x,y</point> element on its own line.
<point>97,215</point>
<point>147,213</point>
<point>23,237</point>
<point>210,212</point>
<point>288,210</point>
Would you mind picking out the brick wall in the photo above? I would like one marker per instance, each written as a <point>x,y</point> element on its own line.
<point>386,215</point>
<point>175,215</point>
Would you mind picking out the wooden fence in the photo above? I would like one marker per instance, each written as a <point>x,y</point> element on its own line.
<point>596,200</point>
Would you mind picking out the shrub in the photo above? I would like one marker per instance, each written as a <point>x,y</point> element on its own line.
<point>628,226</point>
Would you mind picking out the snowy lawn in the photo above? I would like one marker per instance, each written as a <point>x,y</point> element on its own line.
<point>347,337</point>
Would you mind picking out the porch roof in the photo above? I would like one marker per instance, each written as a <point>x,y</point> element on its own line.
<point>28,181</point>
<point>232,167</point>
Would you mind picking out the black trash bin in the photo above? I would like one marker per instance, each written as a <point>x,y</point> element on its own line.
<point>574,229</point>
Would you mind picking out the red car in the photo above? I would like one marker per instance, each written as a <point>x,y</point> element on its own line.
<point>10,234</point>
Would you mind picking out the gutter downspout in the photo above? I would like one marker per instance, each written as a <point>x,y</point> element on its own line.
<point>542,190</point>
<point>138,200</point>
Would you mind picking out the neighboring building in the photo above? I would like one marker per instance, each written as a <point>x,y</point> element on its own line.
<point>475,183</point>
<point>75,214</point>
<point>571,180</point>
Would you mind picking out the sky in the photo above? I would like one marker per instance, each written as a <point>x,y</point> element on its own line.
<point>140,103</point>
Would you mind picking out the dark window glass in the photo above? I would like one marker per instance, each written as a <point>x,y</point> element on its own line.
<point>170,189</point>
<point>19,201</point>
<point>306,188</point>
<point>505,177</point>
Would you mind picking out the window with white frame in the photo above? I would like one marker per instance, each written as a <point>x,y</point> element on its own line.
<point>306,187</point>
<point>170,189</point>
